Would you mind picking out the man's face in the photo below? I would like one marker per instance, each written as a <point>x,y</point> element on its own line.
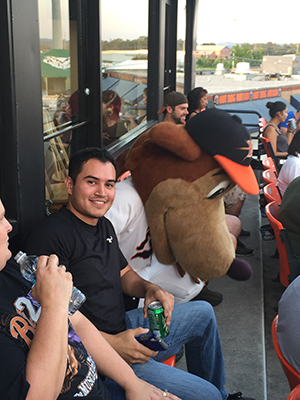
<point>179,113</point>
<point>94,191</point>
<point>5,228</point>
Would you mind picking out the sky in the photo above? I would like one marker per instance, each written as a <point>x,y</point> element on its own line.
<point>219,21</point>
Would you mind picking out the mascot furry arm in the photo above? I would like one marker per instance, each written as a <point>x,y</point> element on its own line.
<point>181,174</point>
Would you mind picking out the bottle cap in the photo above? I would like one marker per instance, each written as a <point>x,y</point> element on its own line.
<point>19,257</point>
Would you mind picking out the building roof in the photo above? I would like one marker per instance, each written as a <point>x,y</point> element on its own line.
<point>210,48</point>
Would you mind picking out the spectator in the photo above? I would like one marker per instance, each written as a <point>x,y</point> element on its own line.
<point>279,142</point>
<point>289,213</point>
<point>143,118</point>
<point>291,168</point>
<point>87,245</point>
<point>175,108</point>
<point>198,100</point>
<point>283,126</point>
<point>37,359</point>
<point>113,126</point>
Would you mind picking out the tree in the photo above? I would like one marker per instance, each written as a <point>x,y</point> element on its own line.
<point>246,53</point>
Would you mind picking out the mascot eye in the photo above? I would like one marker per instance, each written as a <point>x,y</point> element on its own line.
<point>218,190</point>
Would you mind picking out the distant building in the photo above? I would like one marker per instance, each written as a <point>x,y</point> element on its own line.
<point>210,51</point>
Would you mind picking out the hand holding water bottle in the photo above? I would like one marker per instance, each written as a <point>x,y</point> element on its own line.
<point>53,287</point>
<point>29,269</point>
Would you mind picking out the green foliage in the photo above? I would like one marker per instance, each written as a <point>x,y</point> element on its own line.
<point>120,44</point>
<point>211,63</point>
<point>247,53</point>
<point>207,63</point>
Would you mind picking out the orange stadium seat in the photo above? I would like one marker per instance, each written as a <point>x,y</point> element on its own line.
<point>268,163</point>
<point>170,361</point>
<point>289,267</point>
<point>292,375</point>
<point>270,153</point>
<point>272,193</point>
<point>269,176</point>
<point>295,394</point>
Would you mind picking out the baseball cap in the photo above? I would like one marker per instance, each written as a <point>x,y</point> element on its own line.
<point>228,142</point>
<point>173,99</point>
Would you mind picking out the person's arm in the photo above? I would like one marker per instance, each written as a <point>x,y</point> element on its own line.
<point>130,118</point>
<point>125,343</point>
<point>271,134</point>
<point>289,135</point>
<point>135,286</point>
<point>110,364</point>
<point>47,358</point>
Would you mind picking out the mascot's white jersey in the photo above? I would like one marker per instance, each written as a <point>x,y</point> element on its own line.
<point>128,217</point>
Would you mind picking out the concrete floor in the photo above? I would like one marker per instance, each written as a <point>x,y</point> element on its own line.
<point>245,316</point>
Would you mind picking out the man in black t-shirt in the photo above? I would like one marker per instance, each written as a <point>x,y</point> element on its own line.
<point>41,355</point>
<point>85,242</point>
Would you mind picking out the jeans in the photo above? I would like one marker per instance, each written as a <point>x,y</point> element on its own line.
<point>194,325</point>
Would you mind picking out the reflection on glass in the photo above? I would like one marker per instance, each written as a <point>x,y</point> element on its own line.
<point>124,67</point>
<point>58,46</point>
<point>56,162</point>
<point>181,26</point>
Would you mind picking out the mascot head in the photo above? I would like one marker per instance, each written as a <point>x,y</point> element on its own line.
<point>181,174</point>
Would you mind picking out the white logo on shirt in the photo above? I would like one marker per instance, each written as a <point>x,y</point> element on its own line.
<point>109,239</point>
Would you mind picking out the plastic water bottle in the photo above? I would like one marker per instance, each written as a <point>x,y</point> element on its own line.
<point>28,271</point>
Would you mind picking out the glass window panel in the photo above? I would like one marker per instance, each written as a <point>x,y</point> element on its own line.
<point>59,74</point>
<point>181,26</point>
<point>124,66</point>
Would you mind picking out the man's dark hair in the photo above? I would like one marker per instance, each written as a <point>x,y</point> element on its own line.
<point>82,156</point>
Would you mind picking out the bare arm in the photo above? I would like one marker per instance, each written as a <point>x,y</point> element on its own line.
<point>47,358</point>
<point>134,285</point>
<point>111,364</point>
<point>289,135</point>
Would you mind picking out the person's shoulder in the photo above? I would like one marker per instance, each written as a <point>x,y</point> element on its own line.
<point>49,227</point>
<point>61,217</point>
<point>269,127</point>
<point>11,272</point>
<point>106,222</point>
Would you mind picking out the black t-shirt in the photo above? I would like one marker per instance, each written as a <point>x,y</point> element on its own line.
<point>19,315</point>
<point>92,255</point>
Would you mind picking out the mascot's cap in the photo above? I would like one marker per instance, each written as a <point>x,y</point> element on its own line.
<point>173,99</point>
<point>228,142</point>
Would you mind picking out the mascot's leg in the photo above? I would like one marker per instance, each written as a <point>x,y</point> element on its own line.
<point>240,270</point>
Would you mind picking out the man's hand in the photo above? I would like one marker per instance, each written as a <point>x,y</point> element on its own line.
<point>129,348</point>
<point>134,286</point>
<point>47,358</point>
<point>154,293</point>
<point>53,286</point>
